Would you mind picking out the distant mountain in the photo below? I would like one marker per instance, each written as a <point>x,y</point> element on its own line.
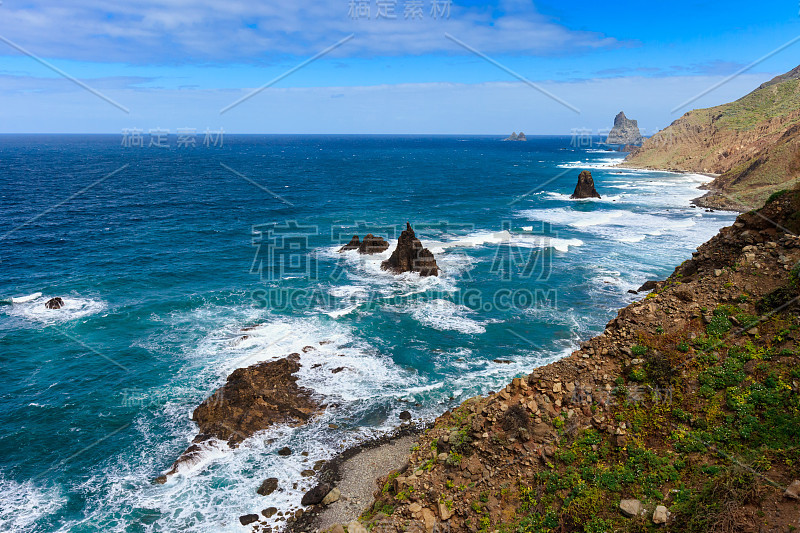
<point>753,143</point>
<point>515,137</point>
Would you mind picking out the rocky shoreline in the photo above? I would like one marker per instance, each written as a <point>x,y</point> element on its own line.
<point>616,436</point>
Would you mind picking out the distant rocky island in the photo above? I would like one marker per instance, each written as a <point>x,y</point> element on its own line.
<point>516,137</point>
<point>625,131</point>
<point>751,143</point>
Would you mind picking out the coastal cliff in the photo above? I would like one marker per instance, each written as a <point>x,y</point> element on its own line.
<point>751,143</point>
<point>685,411</point>
<point>625,131</point>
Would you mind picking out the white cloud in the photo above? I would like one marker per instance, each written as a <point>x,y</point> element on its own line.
<point>185,31</point>
<point>404,108</point>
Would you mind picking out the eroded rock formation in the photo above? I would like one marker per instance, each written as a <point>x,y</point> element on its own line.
<point>411,256</point>
<point>585,187</point>
<point>625,131</point>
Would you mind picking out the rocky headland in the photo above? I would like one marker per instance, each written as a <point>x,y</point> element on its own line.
<point>625,131</point>
<point>683,413</point>
<point>750,145</point>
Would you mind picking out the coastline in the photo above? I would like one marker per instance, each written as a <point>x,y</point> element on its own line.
<point>527,429</point>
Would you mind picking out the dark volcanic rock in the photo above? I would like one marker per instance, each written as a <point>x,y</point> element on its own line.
<point>585,187</point>
<point>252,399</point>
<point>54,303</point>
<point>268,486</point>
<point>648,286</point>
<point>410,256</point>
<point>248,519</point>
<point>315,495</point>
<point>285,451</point>
<point>372,245</point>
<point>625,131</point>
<point>405,415</point>
<point>352,245</point>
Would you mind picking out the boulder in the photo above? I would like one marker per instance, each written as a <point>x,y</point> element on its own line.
<point>793,490</point>
<point>352,245</point>
<point>315,495</point>
<point>285,451</point>
<point>625,131</point>
<point>405,415</point>
<point>54,303</point>
<point>648,286</point>
<point>660,515</point>
<point>585,187</point>
<point>411,256</point>
<point>268,486</point>
<point>248,519</point>
<point>630,507</point>
<point>372,245</point>
<point>332,496</point>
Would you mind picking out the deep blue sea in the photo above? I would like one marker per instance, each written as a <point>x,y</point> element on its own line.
<point>163,255</point>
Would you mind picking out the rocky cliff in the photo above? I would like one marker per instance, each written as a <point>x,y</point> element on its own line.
<point>625,131</point>
<point>411,256</point>
<point>585,186</point>
<point>684,412</point>
<point>752,143</point>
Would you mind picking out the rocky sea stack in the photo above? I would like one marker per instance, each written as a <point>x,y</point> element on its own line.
<point>411,256</point>
<point>515,137</point>
<point>370,245</point>
<point>585,187</point>
<point>625,131</point>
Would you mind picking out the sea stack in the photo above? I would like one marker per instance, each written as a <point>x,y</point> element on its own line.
<point>370,245</point>
<point>585,187</point>
<point>515,137</point>
<point>410,256</point>
<point>625,131</point>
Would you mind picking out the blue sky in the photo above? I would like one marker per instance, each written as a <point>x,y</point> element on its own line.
<point>176,63</point>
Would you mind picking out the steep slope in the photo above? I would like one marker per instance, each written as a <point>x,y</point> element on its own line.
<point>685,411</point>
<point>753,143</point>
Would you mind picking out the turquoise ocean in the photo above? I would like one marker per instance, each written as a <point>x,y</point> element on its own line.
<point>164,255</point>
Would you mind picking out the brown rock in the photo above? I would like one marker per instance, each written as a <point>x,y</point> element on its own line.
<point>372,245</point>
<point>585,187</point>
<point>410,256</point>
<point>268,486</point>
<point>793,490</point>
<point>248,519</point>
<point>352,245</point>
<point>54,303</point>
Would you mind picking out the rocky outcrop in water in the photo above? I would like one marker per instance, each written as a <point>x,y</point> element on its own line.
<point>370,245</point>
<point>585,187</point>
<point>515,137</point>
<point>54,303</point>
<point>411,256</point>
<point>352,245</point>
<point>252,399</point>
<point>625,131</point>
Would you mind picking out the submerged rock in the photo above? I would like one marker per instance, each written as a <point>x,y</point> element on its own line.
<point>625,131</point>
<point>585,187</point>
<point>54,303</point>
<point>410,256</point>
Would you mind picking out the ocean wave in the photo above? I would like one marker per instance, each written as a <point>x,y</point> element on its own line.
<point>445,315</point>
<point>24,504</point>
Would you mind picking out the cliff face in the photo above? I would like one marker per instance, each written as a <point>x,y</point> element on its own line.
<point>625,131</point>
<point>685,411</point>
<point>752,143</point>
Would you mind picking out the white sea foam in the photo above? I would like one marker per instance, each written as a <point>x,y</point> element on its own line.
<point>25,299</point>
<point>23,504</point>
<point>446,315</point>
<point>32,308</point>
